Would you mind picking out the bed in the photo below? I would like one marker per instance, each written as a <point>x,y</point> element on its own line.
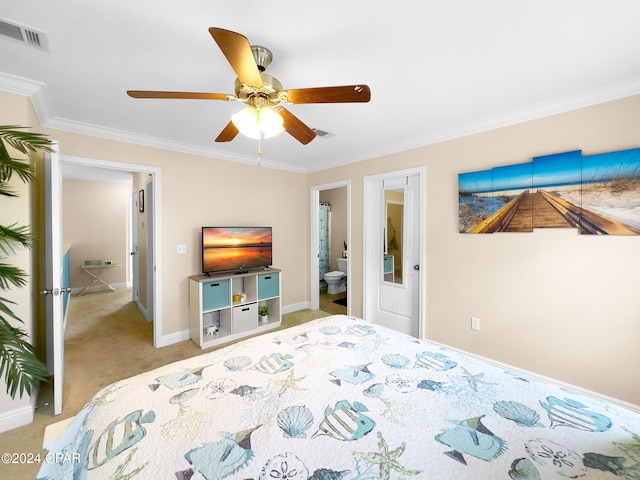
<point>340,398</point>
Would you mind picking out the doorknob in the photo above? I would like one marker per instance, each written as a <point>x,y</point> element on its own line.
<point>416,267</point>
<point>55,291</point>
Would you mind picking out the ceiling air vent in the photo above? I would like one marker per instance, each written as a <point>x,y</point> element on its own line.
<point>323,134</point>
<point>23,34</point>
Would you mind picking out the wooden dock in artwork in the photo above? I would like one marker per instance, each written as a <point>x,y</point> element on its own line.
<point>542,209</point>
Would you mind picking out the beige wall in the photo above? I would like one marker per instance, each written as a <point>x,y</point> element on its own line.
<point>15,111</point>
<point>196,191</point>
<point>95,225</point>
<point>554,302</point>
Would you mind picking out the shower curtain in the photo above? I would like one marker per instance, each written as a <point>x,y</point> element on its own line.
<point>324,226</point>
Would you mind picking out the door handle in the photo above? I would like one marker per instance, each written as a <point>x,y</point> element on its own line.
<point>55,291</point>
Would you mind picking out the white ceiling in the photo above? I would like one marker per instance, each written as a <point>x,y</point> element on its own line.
<point>437,69</point>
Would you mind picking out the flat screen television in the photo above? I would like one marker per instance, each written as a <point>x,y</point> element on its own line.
<point>239,249</point>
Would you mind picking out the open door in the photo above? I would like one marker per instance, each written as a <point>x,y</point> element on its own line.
<point>54,289</point>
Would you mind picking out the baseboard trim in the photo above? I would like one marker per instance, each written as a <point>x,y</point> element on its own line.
<point>172,338</point>
<point>18,417</point>
<point>294,307</point>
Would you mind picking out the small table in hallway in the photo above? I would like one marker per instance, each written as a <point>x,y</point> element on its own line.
<point>96,270</point>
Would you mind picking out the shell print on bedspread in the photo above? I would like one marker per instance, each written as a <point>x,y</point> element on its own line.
<point>295,421</point>
<point>374,391</point>
<point>235,364</point>
<point>117,437</point>
<point>219,388</point>
<point>274,363</point>
<point>395,360</point>
<point>183,396</point>
<point>353,374</point>
<point>472,437</point>
<point>401,383</point>
<point>556,458</point>
<point>518,412</point>
<point>218,460</point>
<point>326,474</point>
<point>293,339</point>
<point>572,413</point>
<point>434,361</point>
<point>330,330</point>
<point>345,421</point>
<point>285,466</point>
<point>523,469</point>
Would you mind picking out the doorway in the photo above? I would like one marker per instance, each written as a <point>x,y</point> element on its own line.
<point>394,253</point>
<point>338,237</point>
<point>149,289</point>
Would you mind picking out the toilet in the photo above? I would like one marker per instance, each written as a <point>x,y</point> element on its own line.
<point>337,281</point>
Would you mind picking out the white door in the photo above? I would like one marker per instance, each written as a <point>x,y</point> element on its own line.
<point>393,250</point>
<point>54,289</point>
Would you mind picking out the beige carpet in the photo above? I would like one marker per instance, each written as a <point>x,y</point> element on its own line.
<point>106,339</point>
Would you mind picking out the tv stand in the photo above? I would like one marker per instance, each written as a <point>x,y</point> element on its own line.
<point>224,307</point>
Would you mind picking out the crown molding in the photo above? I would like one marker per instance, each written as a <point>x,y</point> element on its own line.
<point>37,92</point>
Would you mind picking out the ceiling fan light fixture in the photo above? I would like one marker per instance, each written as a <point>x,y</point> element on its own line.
<point>251,122</point>
<point>270,122</point>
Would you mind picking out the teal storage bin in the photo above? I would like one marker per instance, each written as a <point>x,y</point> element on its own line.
<point>388,264</point>
<point>268,285</point>
<point>215,294</point>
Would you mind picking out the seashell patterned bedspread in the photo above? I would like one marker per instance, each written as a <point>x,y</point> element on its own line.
<point>340,398</point>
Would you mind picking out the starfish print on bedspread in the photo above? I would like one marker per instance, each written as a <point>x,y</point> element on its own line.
<point>289,383</point>
<point>387,460</point>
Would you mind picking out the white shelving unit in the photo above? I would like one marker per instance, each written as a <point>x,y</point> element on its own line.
<point>223,308</point>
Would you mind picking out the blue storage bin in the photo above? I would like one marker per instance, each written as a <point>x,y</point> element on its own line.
<point>215,294</point>
<point>268,285</point>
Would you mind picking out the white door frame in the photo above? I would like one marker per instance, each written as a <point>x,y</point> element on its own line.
<point>372,258</point>
<point>133,248</point>
<point>156,258</point>
<point>315,243</point>
<point>53,274</point>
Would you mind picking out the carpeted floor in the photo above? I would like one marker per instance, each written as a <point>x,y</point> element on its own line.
<point>106,339</point>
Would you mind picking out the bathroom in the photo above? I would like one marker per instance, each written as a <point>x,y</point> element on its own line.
<point>333,235</point>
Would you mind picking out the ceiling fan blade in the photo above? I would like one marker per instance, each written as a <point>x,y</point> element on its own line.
<point>180,95</point>
<point>237,50</point>
<point>228,133</point>
<point>294,126</point>
<point>342,94</point>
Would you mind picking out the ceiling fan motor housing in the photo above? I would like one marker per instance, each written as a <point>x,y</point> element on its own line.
<point>269,90</point>
<point>262,56</point>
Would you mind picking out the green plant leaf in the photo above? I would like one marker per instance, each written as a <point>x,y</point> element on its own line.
<point>10,275</point>
<point>19,364</point>
<point>14,234</point>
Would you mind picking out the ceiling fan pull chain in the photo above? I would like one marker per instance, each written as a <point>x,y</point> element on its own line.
<point>259,148</point>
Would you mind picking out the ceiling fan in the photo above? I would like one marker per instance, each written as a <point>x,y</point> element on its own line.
<point>263,117</point>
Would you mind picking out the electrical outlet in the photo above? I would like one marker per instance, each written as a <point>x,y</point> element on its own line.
<point>475,323</point>
<point>182,248</point>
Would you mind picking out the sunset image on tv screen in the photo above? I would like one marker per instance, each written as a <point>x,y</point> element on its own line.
<point>236,248</point>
